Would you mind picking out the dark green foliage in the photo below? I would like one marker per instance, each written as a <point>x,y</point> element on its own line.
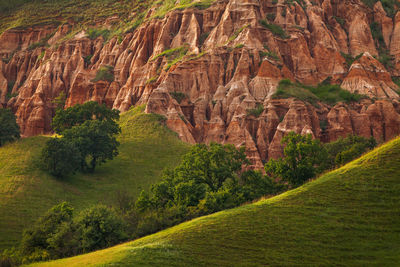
<point>271,16</point>
<point>9,129</point>
<point>303,159</point>
<point>349,59</point>
<point>209,179</point>
<point>256,112</point>
<point>275,29</point>
<point>203,37</point>
<point>10,86</point>
<point>60,234</point>
<point>178,96</point>
<point>324,92</point>
<point>396,80</point>
<point>384,55</point>
<point>98,227</point>
<point>59,101</point>
<point>340,20</point>
<point>390,6</point>
<point>105,73</point>
<point>79,113</point>
<point>96,142</point>
<point>346,149</point>
<point>89,139</point>
<point>87,59</point>
<point>39,241</point>
<point>377,32</point>
<point>60,157</point>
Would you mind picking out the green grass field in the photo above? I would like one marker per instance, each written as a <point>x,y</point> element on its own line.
<point>26,192</point>
<point>348,217</point>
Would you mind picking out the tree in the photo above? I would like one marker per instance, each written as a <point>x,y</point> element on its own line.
<point>88,139</point>
<point>9,130</point>
<point>346,149</point>
<point>303,159</point>
<point>60,157</point>
<point>95,141</point>
<point>99,227</point>
<point>80,113</point>
<point>37,237</point>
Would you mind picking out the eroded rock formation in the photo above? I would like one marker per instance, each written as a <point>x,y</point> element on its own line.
<point>230,64</point>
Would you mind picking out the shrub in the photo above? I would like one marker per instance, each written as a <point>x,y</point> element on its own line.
<point>346,149</point>
<point>275,29</point>
<point>99,227</point>
<point>60,234</point>
<point>105,73</point>
<point>35,243</point>
<point>256,112</point>
<point>178,96</point>
<point>9,130</point>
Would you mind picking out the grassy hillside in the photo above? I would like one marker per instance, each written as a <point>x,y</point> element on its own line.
<point>86,13</point>
<point>348,217</point>
<point>27,192</point>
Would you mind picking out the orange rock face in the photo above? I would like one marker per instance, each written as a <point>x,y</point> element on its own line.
<point>221,89</point>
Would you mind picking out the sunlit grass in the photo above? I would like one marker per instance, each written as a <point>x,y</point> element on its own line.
<point>26,192</point>
<point>348,217</point>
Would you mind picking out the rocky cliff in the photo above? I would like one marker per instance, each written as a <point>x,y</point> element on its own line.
<point>204,69</point>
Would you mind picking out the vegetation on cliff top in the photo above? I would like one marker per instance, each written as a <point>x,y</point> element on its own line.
<point>323,92</point>
<point>84,14</point>
<point>349,216</point>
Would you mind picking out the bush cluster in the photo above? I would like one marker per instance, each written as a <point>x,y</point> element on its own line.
<point>323,92</point>
<point>59,233</point>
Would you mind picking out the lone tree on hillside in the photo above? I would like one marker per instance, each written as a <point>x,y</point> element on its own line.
<point>88,139</point>
<point>9,129</point>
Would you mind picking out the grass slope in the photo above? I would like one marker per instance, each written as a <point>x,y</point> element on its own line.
<point>348,217</point>
<point>26,192</point>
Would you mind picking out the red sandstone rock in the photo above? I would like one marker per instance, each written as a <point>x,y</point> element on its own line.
<point>223,78</point>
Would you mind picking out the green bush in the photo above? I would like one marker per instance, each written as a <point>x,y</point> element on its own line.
<point>105,73</point>
<point>256,112</point>
<point>9,130</point>
<point>323,92</point>
<point>346,149</point>
<point>275,29</point>
<point>61,234</point>
<point>98,227</point>
<point>178,96</point>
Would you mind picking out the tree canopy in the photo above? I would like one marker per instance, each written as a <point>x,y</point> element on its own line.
<point>79,113</point>
<point>88,139</point>
<point>9,130</point>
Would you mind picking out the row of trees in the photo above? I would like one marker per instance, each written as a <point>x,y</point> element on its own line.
<point>88,138</point>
